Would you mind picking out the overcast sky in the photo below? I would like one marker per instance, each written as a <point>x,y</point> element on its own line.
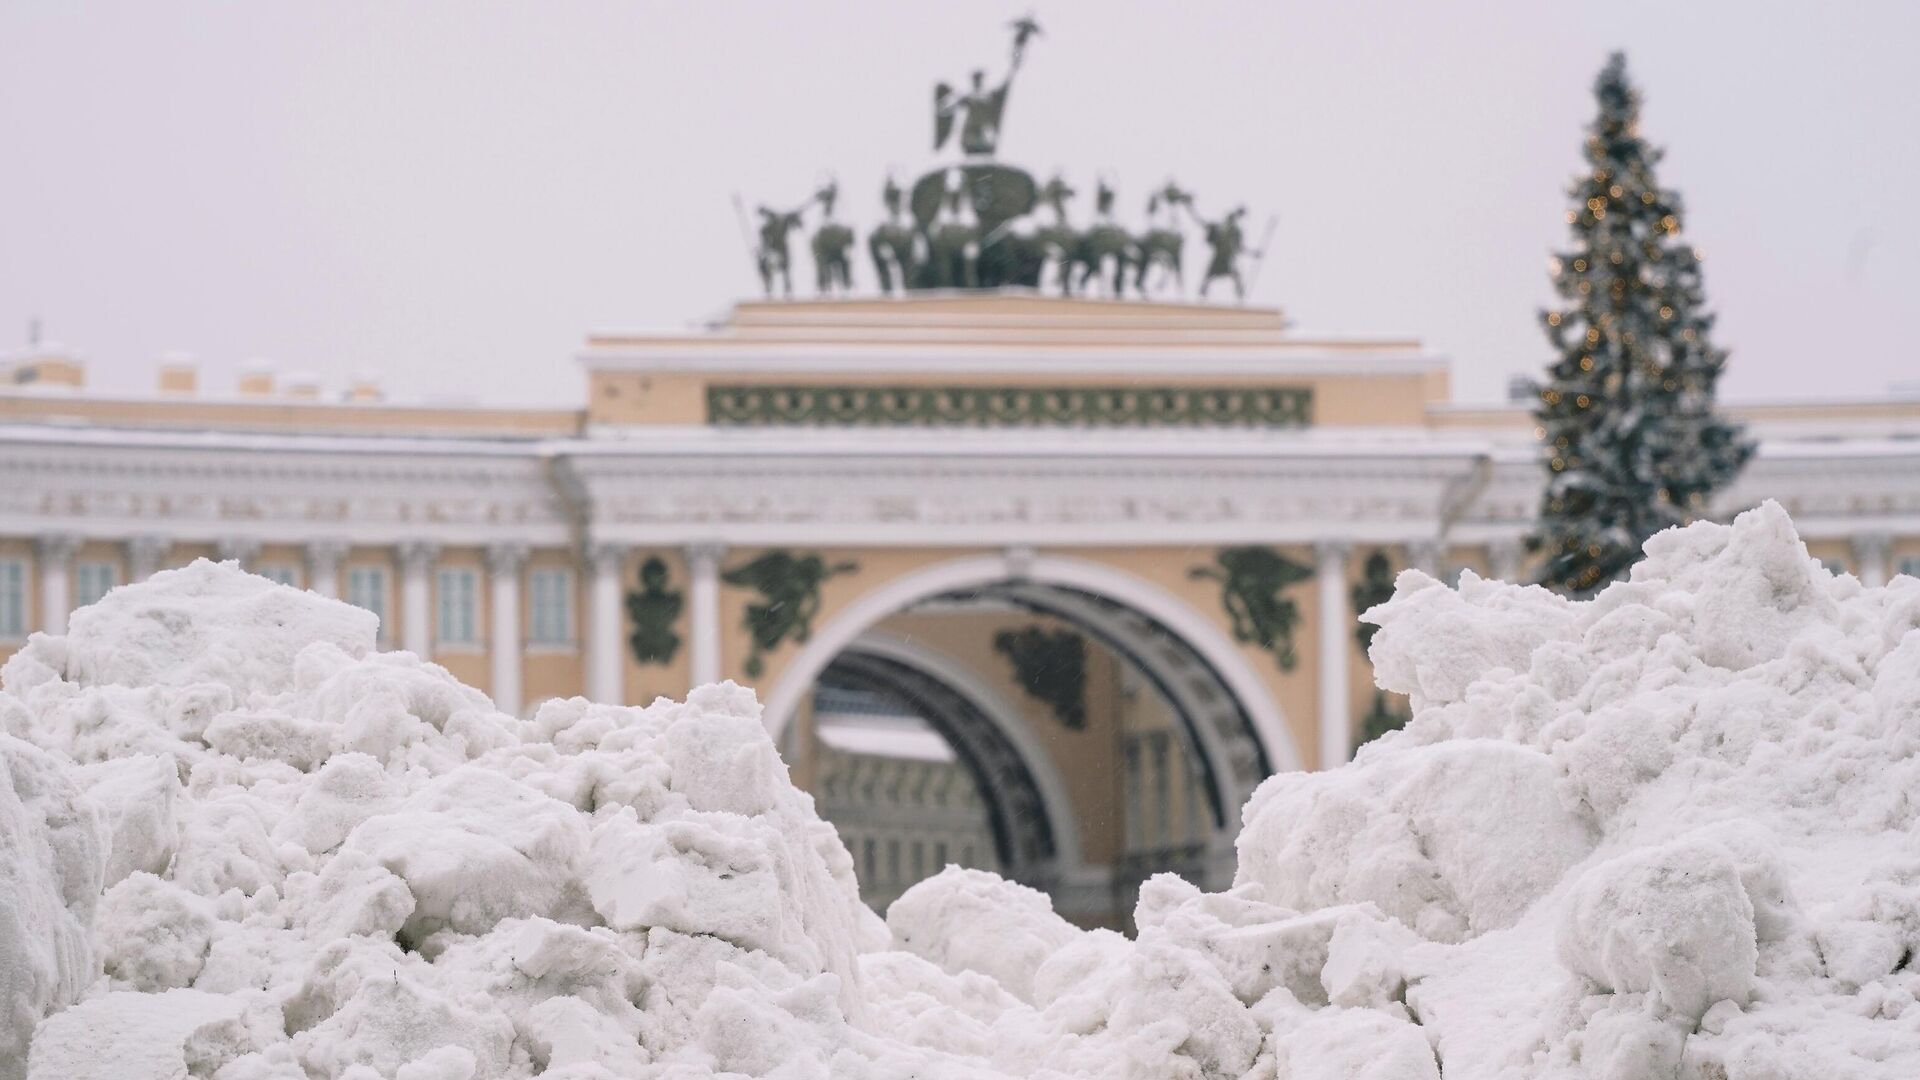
<point>453,194</point>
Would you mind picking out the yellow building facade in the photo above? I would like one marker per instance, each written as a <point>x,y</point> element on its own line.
<point>1111,553</point>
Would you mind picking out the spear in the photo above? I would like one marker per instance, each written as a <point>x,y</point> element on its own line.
<point>746,231</point>
<point>1260,256</point>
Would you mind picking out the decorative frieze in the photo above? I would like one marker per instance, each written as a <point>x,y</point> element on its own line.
<point>789,587</point>
<point>1010,406</point>
<point>654,610</point>
<point>1051,666</point>
<point>1253,582</point>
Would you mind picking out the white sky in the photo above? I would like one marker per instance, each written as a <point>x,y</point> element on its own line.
<point>453,193</point>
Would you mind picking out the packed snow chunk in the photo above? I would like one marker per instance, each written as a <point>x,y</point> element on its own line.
<point>970,920</point>
<point>134,1036</point>
<point>1673,921</point>
<point>1452,839</point>
<point>1434,642</point>
<point>395,1022</point>
<point>269,735</point>
<point>347,790</point>
<point>52,860</point>
<point>136,796</point>
<point>1755,589</point>
<point>208,623</point>
<point>1352,1044</point>
<point>154,935</point>
<point>697,874</point>
<point>724,760</point>
<point>1179,1017</point>
<point>352,896</point>
<point>475,847</point>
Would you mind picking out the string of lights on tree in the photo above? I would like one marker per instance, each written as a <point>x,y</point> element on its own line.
<point>1633,443</point>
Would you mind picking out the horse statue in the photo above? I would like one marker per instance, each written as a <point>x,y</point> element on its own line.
<point>831,242</point>
<point>954,242</point>
<point>1160,246</point>
<point>1105,250</point>
<point>1057,244</point>
<point>891,243</point>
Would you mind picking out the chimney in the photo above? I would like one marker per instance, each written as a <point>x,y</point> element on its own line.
<point>303,386</point>
<point>364,388</point>
<point>256,379</point>
<point>178,375</point>
<point>48,365</point>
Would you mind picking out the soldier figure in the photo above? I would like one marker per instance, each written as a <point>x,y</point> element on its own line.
<point>1228,243</point>
<point>984,108</point>
<point>772,255</point>
<point>891,244</point>
<point>955,242</point>
<point>831,241</point>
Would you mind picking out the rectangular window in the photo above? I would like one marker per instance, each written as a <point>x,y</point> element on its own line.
<point>280,573</point>
<point>551,606</point>
<point>367,588</point>
<point>93,580</point>
<point>13,598</point>
<point>459,603</point>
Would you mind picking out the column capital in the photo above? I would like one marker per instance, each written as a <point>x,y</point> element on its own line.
<point>237,549</point>
<point>1506,557</point>
<point>506,557</point>
<point>605,557</point>
<point>418,555</point>
<point>1875,545</point>
<point>144,554</point>
<point>1332,550</point>
<point>1426,553</point>
<point>56,546</point>
<point>326,554</point>
<point>705,553</point>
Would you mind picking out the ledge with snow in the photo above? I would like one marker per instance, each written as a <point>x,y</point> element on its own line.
<point>1666,833</point>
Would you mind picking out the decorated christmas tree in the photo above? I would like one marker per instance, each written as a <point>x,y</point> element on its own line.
<point>1627,413</point>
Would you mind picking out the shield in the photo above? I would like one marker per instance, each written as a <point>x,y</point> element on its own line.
<point>997,193</point>
<point>942,114</point>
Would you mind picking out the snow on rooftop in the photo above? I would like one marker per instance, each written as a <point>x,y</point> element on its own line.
<point>897,736</point>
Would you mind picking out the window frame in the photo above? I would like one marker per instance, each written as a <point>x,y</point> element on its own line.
<point>562,588</point>
<point>83,570</point>
<point>385,591</point>
<point>448,623</point>
<point>14,599</point>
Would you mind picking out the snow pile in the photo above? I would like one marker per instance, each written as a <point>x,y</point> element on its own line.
<point>318,860</point>
<point>1669,832</point>
<point>1666,833</point>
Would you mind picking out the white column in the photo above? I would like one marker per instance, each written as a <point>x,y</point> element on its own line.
<point>235,549</point>
<point>416,597</point>
<point>1873,555</point>
<point>503,570</point>
<point>1336,637</point>
<point>1507,559</point>
<point>145,554</point>
<point>604,669</point>
<point>323,566</point>
<point>1425,555</point>
<point>703,651</point>
<point>54,553</point>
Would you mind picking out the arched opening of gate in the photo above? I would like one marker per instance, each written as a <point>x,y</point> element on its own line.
<point>1061,722</point>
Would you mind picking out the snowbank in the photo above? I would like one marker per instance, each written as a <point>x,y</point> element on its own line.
<point>1666,833</point>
